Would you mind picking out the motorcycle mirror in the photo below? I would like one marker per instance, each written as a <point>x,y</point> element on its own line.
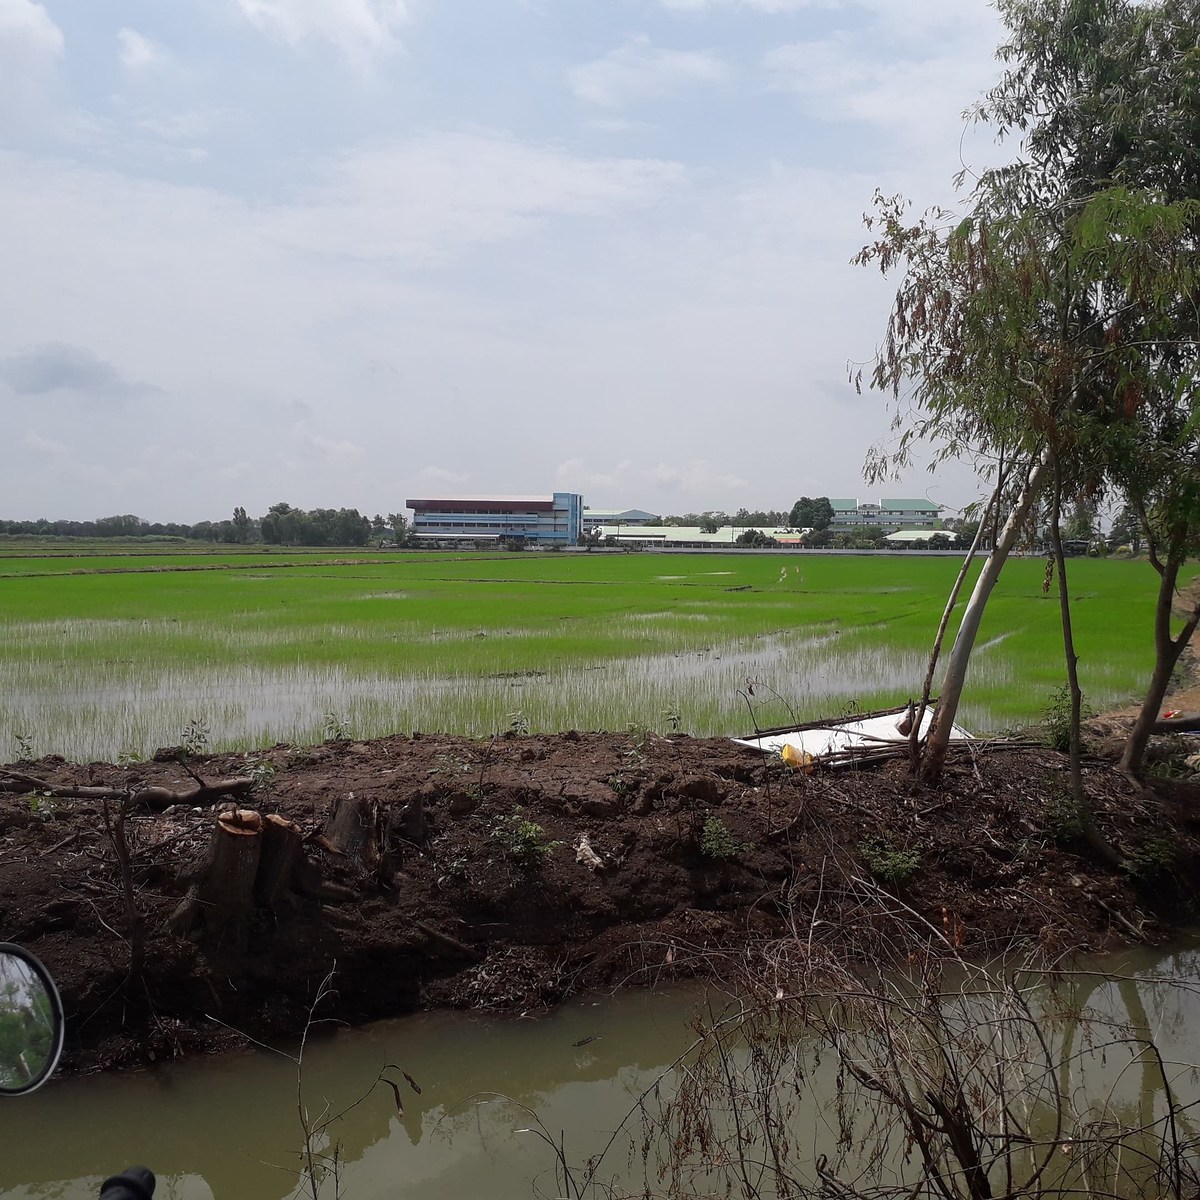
<point>31,1022</point>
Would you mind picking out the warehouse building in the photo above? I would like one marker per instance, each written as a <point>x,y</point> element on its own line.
<point>534,520</point>
<point>892,515</point>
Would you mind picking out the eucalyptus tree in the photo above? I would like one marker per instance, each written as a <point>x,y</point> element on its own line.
<point>1051,335</point>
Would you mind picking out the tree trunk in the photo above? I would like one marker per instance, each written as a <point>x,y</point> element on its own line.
<point>1167,650</point>
<point>914,735</point>
<point>354,827</point>
<point>279,862</point>
<point>221,899</point>
<point>956,669</point>
<point>1083,806</point>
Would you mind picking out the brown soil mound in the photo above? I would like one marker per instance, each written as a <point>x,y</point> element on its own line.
<point>451,915</point>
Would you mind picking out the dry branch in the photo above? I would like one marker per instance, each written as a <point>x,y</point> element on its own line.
<point>155,797</point>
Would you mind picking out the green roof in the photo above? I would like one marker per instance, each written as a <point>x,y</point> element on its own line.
<point>911,505</point>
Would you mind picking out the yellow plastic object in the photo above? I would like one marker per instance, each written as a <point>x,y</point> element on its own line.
<point>800,759</point>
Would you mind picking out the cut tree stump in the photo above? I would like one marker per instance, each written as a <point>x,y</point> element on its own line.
<point>221,900</point>
<point>355,828</point>
<point>279,862</point>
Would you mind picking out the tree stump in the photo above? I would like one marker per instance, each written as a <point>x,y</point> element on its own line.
<point>279,861</point>
<point>222,897</point>
<point>354,826</point>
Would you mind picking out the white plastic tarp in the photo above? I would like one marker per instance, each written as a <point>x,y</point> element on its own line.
<point>869,733</point>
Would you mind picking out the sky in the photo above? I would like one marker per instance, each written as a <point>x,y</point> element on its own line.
<point>346,252</point>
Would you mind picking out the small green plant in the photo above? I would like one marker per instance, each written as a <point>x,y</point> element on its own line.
<point>43,806</point>
<point>457,870</point>
<point>1151,862</point>
<point>639,737</point>
<point>673,719</point>
<point>618,783</point>
<point>1064,821</point>
<point>263,773</point>
<point>24,743</point>
<point>450,766</point>
<point>128,758</point>
<point>518,723</point>
<point>716,842</point>
<point>337,729</point>
<point>887,863</point>
<point>1056,719</point>
<point>524,841</point>
<point>193,740</point>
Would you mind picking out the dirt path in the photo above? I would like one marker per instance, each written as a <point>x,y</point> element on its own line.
<point>701,844</point>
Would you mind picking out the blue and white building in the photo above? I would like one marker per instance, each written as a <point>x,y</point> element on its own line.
<point>536,520</point>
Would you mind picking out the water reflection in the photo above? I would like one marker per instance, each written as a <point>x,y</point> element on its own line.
<point>115,707</point>
<point>228,1128</point>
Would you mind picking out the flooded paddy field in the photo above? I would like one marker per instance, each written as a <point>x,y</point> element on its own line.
<point>115,655</point>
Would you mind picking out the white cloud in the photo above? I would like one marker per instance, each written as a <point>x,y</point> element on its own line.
<point>618,125</point>
<point>333,450</point>
<point>922,96</point>
<point>439,476</point>
<point>697,478</point>
<point>433,196</point>
<point>763,6</point>
<point>639,71</point>
<point>44,445</point>
<point>138,53</point>
<point>694,479</point>
<point>358,29</point>
<point>30,47</point>
<point>28,25</point>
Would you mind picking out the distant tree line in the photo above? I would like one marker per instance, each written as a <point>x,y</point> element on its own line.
<point>715,519</point>
<point>281,525</point>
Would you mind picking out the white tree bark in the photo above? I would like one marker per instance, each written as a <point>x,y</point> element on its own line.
<point>968,630</point>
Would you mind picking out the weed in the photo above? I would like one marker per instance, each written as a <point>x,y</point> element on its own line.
<point>456,870</point>
<point>24,742</point>
<point>1056,719</point>
<point>518,723</point>
<point>193,739</point>
<point>618,783</point>
<point>42,805</point>
<point>887,863</point>
<point>450,766</point>
<point>1171,759</point>
<point>263,773</point>
<point>673,719</point>
<point>640,738</point>
<point>337,728</point>
<point>524,841</point>
<point>718,843</point>
<point>1064,821</point>
<point>128,758</point>
<point>1151,862</point>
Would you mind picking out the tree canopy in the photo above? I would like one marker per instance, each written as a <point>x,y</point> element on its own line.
<point>1049,328</point>
<point>809,513</point>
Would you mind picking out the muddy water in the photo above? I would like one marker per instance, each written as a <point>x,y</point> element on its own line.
<point>230,1129</point>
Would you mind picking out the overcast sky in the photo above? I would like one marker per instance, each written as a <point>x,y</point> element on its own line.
<point>343,252</point>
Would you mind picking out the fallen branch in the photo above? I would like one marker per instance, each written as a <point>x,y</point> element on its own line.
<point>155,797</point>
<point>1183,723</point>
<point>445,939</point>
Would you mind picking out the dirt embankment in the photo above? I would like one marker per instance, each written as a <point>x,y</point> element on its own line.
<point>477,894</point>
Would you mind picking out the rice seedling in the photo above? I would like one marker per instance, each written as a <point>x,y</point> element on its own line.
<point>99,663</point>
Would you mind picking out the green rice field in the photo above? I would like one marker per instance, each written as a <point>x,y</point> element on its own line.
<point>111,654</point>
